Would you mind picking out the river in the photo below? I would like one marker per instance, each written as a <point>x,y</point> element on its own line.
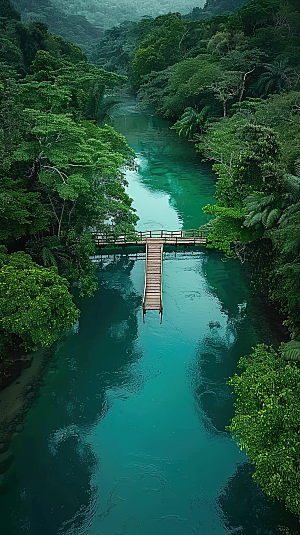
<point>128,433</point>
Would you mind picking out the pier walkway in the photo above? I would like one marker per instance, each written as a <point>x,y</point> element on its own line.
<point>153,277</point>
<point>154,241</point>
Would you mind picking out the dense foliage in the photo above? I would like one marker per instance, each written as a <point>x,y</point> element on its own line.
<point>231,85</point>
<point>35,303</point>
<point>60,178</point>
<point>218,62</point>
<point>158,42</point>
<point>266,422</point>
<point>83,22</point>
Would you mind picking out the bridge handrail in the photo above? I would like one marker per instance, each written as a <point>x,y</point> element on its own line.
<point>161,268</point>
<point>144,296</point>
<point>111,237</point>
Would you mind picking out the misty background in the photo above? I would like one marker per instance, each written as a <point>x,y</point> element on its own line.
<point>84,21</point>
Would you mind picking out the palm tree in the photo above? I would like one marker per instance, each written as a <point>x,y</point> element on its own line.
<point>276,77</point>
<point>191,122</point>
<point>262,209</point>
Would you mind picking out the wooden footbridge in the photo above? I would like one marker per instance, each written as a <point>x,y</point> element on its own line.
<point>154,241</point>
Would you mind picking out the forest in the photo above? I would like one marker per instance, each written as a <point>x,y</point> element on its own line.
<point>230,82</point>
<point>60,178</point>
<point>231,86</point>
<point>84,22</point>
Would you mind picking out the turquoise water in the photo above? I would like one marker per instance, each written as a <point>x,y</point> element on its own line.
<point>172,184</point>
<point>128,433</point>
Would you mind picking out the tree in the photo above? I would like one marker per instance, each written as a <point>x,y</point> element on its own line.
<point>60,173</point>
<point>75,168</point>
<point>255,14</point>
<point>35,303</point>
<point>77,165</point>
<point>83,84</point>
<point>266,422</point>
<point>191,122</point>
<point>275,78</point>
<point>227,88</point>
<point>189,85</point>
<point>8,11</point>
<point>21,212</point>
<point>161,47</point>
<point>245,156</point>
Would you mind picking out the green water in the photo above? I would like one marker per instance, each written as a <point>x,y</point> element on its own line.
<point>127,435</point>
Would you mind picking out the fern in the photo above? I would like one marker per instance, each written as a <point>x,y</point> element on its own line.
<point>290,351</point>
<point>265,215</point>
<point>288,213</point>
<point>253,220</point>
<point>291,183</point>
<point>253,197</point>
<point>48,257</point>
<point>273,217</point>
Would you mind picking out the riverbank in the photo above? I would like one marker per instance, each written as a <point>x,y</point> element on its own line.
<point>16,398</point>
<point>130,423</point>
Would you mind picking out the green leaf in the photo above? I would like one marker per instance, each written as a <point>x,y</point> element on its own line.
<point>290,350</point>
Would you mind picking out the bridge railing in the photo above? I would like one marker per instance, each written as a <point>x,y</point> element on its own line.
<point>142,236</point>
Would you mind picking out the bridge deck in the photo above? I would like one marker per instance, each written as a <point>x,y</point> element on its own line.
<point>153,276</point>
<point>154,241</point>
<point>168,237</point>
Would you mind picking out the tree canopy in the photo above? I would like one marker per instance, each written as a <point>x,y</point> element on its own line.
<point>266,422</point>
<point>60,178</point>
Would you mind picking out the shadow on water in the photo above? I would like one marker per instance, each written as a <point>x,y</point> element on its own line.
<point>218,352</point>
<point>86,463</point>
<point>245,508</point>
<point>87,366</point>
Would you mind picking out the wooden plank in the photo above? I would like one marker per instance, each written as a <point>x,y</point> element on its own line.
<point>154,241</point>
<point>153,273</point>
<point>155,289</point>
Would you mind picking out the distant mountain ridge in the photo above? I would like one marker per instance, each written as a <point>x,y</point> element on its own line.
<point>84,21</point>
<point>72,27</point>
<point>101,14</point>
<point>215,7</point>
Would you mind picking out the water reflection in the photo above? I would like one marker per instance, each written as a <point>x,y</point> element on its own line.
<point>128,434</point>
<point>247,510</point>
<point>244,507</point>
<point>168,168</point>
<point>92,365</point>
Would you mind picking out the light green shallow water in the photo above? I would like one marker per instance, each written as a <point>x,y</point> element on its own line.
<point>128,435</point>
